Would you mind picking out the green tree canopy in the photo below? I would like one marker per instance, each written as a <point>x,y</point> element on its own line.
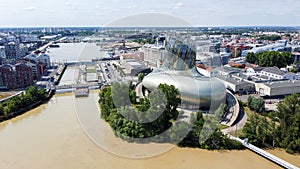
<point>270,58</point>
<point>256,104</point>
<point>251,58</point>
<point>285,134</point>
<point>1,110</point>
<point>141,77</point>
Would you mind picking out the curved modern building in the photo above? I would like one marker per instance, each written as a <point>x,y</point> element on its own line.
<point>179,70</point>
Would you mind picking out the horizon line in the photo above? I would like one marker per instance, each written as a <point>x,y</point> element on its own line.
<point>215,26</point>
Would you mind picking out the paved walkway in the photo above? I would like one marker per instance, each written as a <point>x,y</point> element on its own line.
<point>231,117</point>
<point>139,91</point>
<point>240,122</point>
<point>7,98</point>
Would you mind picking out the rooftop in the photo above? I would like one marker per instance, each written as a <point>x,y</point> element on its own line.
<point>286,83</point>
<point>232,80</point>
<point>228,69</point>
<point>134,63</point>
<point>275,70</point>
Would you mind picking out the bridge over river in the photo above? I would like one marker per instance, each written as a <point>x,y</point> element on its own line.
<point>76,86</point>
<point>264,154</point>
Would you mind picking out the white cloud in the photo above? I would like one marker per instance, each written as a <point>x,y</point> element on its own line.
<point>202,12</point>
<point>30,8</point>
<point>179,5</point>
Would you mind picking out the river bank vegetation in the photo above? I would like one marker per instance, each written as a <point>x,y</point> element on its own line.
<point>22,103</point>
<point>157,114</point>
<point>279,128</point>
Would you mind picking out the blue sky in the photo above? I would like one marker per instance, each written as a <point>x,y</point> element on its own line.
<point>102,12</point>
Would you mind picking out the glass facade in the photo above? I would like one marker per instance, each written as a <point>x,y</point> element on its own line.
<point>181,56</point>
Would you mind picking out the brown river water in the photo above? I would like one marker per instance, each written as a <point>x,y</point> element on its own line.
<point>67,133</point>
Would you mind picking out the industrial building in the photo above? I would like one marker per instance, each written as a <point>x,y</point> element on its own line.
<point>270,81</point>
<point>276,73</point>
<point>132,67</point>
<point>278,88</point>
<point>237,85</point>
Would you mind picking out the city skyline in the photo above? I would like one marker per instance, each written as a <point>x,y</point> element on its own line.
<point>55,13</point>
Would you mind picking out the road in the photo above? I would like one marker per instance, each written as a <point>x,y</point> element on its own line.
<point>240,122</point>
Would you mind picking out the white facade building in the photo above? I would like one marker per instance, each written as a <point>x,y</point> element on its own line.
<point>276,73</point>
<point>45,59</point>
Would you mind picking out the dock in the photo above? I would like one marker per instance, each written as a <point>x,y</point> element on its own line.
<point>82,92</point>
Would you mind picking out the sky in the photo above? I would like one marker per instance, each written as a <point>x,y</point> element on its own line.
<point>52,13</point>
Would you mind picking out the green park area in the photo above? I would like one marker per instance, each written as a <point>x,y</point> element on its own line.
<point>119,117</point>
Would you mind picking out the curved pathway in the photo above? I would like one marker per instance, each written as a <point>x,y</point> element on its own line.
<point>239,124</point>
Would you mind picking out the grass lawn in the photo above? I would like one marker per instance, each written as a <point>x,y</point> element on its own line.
<point>91,70</point>
<point>250,112</point>
<point>222,126</point>
<point>237,133</point>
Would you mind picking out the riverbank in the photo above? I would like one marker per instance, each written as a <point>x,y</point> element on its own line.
<point>59,74</point>
<point>281,153</point>
<point>27,108</point>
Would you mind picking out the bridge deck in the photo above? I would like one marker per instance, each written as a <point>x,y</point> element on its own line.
<point>265,154</point>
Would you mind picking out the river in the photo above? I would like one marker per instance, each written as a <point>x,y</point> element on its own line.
<point>73,52</point>
<point>53,136</point>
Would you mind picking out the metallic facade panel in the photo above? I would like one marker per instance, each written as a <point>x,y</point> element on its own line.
<point>195,91</point>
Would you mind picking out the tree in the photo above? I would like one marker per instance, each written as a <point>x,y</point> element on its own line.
<point>293,70</point>
<point>132,96</point>
<point>256,104</point>
<point>251,57</point>
<point>271,58</point>
<point>141,77</point>
<point>259,131</point>
<point>41,94</point>
<point>1,110</point>
<point>289,115</point>
<point>33,92</point>
<point>271,38</point>
<point>123,119</point>
<point>144,104</point>
<point>264,132</point>
<point>198,122</point>
<point>160,107</point>
<point>13,105</point>
<point>122,94</point>
<point>172,96</point>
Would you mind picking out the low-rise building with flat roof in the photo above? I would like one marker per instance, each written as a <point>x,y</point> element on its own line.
<point>237,85</point>
<point>227,70</point>
<point>278,88</point>
<point>133,67</point>
<point>275,72</point>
